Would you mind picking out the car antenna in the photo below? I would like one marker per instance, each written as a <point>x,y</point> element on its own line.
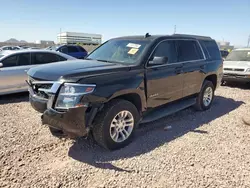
<point>147,35</point>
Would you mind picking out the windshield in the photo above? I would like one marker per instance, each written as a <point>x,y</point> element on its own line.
<point>52,48</point>
<point>120,51</point>
<point>239,55</point>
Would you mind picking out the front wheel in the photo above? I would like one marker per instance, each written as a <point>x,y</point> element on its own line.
<point>115,124</point>
<point>205,97</point>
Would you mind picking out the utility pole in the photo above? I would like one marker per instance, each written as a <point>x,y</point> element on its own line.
<point>248,41</point>
<point>60,35</point>
<point>174,29</point>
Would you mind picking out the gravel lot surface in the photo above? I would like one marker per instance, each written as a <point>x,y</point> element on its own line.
<point>202,149</point>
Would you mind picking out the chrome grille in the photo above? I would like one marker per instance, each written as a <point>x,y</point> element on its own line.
<point>39,87</point>
<point>234,69</point>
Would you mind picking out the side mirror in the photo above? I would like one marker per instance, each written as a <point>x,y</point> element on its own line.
<point>158,61</point>
<point>1,65</point>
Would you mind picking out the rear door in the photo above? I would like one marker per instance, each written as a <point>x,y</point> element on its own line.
<point>193,59</point>
<point>13,73</point>
<point>164,82</point>
<point>38,58</point>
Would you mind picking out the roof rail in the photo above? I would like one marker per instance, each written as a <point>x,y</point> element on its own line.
<point>193,36</point>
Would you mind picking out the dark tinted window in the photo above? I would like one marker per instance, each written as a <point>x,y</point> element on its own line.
<point>24,59</point>
<point>10,61</point>
<point>60,58</point>
<point>81,49</point>
<point>72,49</point>
<point>64,49</point>
<point>188,50</point>
<point>212,49</point>
<point>42,58</point>
<point>166,49</point>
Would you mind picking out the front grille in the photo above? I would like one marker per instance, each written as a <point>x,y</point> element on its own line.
<point>37,86</point>
<point>234,69</point>
<point>41,94</point>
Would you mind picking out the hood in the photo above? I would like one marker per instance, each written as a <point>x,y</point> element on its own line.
<point>74,69</point>
<point>236,64</point>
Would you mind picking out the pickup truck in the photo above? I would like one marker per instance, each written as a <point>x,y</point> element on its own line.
<point>124,82</point>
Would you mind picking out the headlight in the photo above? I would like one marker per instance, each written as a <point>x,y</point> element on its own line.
<point>70,95</point>
<point>248,70</point>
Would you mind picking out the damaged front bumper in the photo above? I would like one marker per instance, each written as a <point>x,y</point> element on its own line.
<point>72,122</point>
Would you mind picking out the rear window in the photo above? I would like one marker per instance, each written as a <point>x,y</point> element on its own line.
<point>212,49</point>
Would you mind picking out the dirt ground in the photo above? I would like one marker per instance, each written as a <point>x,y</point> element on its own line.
<point>201,149</point>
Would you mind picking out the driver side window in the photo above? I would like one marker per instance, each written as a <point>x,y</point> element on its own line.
<point>166,49</point>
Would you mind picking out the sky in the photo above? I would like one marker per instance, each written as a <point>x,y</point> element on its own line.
<point>32,20</point>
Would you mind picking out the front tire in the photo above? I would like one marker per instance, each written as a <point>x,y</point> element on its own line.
<point>205,97</point>
<point>114,126</point>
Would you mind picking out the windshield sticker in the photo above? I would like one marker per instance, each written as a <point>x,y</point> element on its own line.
<point>132,45</point>
<point>132,51</point>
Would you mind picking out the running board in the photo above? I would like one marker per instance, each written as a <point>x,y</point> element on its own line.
<point>168,110</point>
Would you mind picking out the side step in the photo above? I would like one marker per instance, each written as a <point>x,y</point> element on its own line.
<point>168,110</point>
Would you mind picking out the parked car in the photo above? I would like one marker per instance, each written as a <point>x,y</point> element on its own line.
<point>237,66</point>
<point>72,50</point>
<point>224,54</point>
<point>15,64</point>
<point>124,82</point>
<point>10,48</point>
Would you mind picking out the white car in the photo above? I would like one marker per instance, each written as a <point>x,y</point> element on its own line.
<point>15,63</point>
<point>236,67</point>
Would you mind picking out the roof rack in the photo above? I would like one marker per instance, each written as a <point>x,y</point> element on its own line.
<point>193,36</point>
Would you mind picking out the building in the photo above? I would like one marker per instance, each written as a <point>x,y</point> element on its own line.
<point>76,38</point>
<point>223,45</point>
<point>45,42</point>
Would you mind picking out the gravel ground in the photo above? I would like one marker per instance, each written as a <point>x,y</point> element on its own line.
<point>202,149</point>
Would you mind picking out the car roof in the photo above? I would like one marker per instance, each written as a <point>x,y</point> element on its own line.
<point>11,52</point>
<point>174,36</point>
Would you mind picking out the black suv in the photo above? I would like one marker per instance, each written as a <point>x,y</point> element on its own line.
<point>124,82</point>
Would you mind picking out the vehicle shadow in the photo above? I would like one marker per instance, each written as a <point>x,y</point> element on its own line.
<point>14,98</point>
<point>152,135</point>
<point>245,86</point>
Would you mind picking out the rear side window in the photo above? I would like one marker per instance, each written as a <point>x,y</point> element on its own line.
<point>42,58</point>
<point>166,49</point>
<point>23,59</point>
<point>81,49</point>
<point>60,58</point>
<point>212,49</point>
<point>72,49</point>
<point>188,50</point>
<point>10,61</point>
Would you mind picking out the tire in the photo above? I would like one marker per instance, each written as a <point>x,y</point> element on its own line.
<point>201,105</point>
<point>102,130</point>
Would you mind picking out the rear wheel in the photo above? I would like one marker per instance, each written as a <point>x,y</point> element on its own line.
<point>115,124</point>
<point>205,97</point>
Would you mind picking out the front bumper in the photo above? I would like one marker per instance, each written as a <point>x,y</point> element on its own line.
<point>71,122</point>
<point>236,78</point>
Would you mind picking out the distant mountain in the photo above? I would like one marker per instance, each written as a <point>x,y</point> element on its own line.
<point>12,40</point>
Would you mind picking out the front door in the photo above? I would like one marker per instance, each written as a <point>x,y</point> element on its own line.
<point>14,73</point>
<point>164,82</point>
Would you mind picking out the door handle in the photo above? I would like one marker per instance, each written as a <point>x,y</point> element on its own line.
<point>25,70</point>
